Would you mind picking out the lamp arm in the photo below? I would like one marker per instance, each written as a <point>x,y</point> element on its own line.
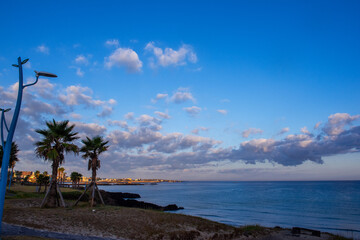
<point>27,85</point>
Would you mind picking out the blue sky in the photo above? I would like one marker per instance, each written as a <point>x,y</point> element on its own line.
<point>206,90</point>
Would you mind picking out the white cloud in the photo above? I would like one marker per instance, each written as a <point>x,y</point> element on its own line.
<point>169,56</point>
<point>124,57</point>
<point>192,111</point>
<point>129,116</point>
<point>75,116</point>
<point>43,49</point>
<point>122,124</point>
<point>76,95</point>
<point>162,115</point>
<point>317,125</point>
<point>305,131</point>
<point>251,131</point>
<point>222,111</point>
<point>159,96</point>
<point>337,122</point>
<point>182,95</point>
<point>112,42</point>
<point>79,72</point>
<point>81,59</point>
<point>284,130</point>
<point>197,130</point>
<point>105,112</point>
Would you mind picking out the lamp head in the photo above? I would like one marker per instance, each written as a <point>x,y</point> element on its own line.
<point>5,110</point>
<point>45,74</point>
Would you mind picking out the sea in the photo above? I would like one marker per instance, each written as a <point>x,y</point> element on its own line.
<point>328,206</point>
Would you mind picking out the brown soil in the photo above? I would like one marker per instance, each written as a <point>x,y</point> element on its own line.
<point>130,223</point>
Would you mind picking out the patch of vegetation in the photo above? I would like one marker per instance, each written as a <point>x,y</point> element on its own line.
<point>253,230</point>
<point>74,195</point>
<point>20,195</point>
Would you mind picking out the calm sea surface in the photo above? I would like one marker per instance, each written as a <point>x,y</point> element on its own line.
<point>332,206</point>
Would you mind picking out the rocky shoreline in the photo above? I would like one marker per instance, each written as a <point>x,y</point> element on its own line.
<point>128,200</point>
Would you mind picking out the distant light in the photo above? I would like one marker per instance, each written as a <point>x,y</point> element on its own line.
<point>45,74</point>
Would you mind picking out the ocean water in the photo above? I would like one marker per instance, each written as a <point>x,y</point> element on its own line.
<point>330,206</point>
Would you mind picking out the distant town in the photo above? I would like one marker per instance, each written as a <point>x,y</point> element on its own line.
<point>31,177</point>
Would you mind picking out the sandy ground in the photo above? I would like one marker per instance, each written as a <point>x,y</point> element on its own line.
<point>132,223</point>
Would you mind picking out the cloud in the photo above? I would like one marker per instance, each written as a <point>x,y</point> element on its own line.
<point>305,131</point>
<point>159,96</point>
<point>337,122</point>
<point>75,116</point>
<point>251,131</point>
<point>76,95</point>
<point>197,130</point>
<point>129,116</point>
<point>89,129</point>
<point>79,72</point>
<point>336,138</point>
<point>222,111</point>
<point>124,57</point>
<point>112,42</point>
<point>317,125</point>
<point>43,49</point>
<point>169,56</point>
<point>192,111</point>
<point>122,124</point>
<point>284,130</point>
<point>105,112</point>
<point>81,59</point>
<point>162,115</point>
<point>182,95</point>
<point>176,141</point>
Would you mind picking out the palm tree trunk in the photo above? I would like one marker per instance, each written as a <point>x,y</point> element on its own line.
<point>52,200</point>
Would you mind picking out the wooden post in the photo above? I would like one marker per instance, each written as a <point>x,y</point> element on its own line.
<point>102,201</point>
<point>86,188</point>
<point>46,196</point>
<point>61,197</point>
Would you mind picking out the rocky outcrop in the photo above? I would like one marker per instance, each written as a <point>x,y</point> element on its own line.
<point>122,199</point>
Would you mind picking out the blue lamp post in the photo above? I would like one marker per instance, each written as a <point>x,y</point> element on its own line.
<point>11,130</point>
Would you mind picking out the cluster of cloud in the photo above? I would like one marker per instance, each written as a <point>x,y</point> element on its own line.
<point>129,58</point>
<point>124,57</point>
<point>168,56</point>
<point>137,141</point>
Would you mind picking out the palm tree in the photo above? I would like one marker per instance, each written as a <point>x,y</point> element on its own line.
<point>42,179</point>
<point>13,158</point>
<point>57,140</point>
<point>91,150</point>
<point>75,178</point>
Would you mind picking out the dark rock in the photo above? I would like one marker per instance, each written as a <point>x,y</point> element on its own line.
<point>117,199</point>
<point>172,207</point>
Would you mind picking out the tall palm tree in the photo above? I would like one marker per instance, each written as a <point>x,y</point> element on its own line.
<point>57,139</point>
<point>13,155</point>
<point>91,150</point>
<point>13,159</point>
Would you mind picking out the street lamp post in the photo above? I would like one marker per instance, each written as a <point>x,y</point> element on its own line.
<point>11,130</point>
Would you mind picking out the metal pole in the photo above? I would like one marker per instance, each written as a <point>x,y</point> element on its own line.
<point>7,147</point>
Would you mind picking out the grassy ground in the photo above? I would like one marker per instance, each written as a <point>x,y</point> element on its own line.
<point>22,208</point>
